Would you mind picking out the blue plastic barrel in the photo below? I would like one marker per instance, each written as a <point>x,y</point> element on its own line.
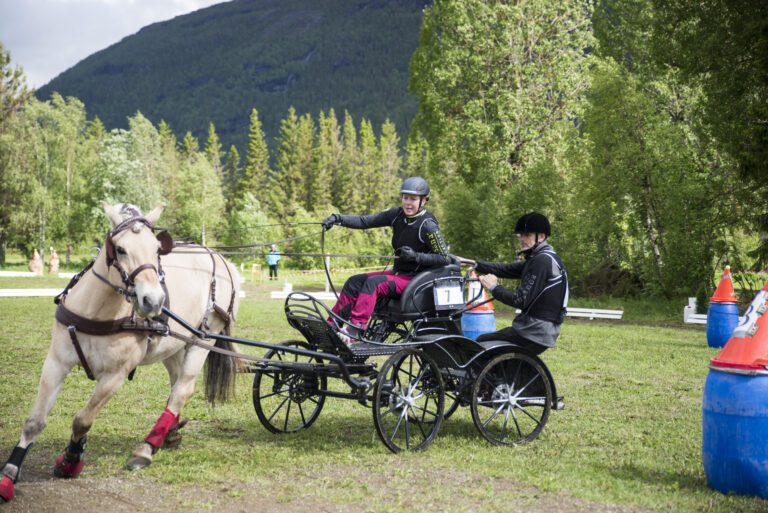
<point>735,433</point>
<point>474,324</point>
<point>722,319</point>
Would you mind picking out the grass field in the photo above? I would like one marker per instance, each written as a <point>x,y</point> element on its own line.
<point>630,434</point>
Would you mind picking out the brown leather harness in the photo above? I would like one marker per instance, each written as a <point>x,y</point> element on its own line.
<point>158,326</point>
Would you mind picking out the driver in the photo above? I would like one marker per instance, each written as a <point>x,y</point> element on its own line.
<point>417,242</point>
<point>542,295</point>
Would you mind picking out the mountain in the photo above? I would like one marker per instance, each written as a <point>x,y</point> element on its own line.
<point>218,63</point>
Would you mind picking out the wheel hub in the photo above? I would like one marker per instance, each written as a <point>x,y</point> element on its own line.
<point>502,393</point>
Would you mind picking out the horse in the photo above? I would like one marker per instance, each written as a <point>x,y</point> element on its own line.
<point>109,322</point>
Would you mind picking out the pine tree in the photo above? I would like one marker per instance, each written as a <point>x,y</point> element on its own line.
<point>190,147</point>
<point>231,175</point>
<point>213,150</point>
<point>305,168</point>
<point>256,170</point>
<point>346,186</point>
<point>390,163</point>
<point>368,170</point>
<point>286,162</point>
<point>14,93</point>
<point>327,155</point>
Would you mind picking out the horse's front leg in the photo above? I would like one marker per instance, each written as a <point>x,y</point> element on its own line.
<point>70,463</point>
<point>183,368</point>
<point>55,370</point>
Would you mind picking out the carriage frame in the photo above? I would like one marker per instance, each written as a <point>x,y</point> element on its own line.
<point>429,369</point>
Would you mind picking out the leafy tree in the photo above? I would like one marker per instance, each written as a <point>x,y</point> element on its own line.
<point>496,81</point>
<point>198,213</point>
<point>14,95</point>
<point>652,182</point>
<point>145,150</point>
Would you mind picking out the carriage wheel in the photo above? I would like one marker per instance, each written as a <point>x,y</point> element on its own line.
<point>286,400</point>
<point>451,403</point>
<point>408,401</point>
<point>511,399</point>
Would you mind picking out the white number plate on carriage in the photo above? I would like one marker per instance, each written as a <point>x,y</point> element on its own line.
<point>448,295</point>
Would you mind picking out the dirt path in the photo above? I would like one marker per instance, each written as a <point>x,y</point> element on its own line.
<point>137,494</point>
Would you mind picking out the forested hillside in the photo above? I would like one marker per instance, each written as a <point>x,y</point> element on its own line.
<point>636,126</point>
<point>216,64</point>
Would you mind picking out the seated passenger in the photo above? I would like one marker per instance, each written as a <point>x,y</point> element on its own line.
<point>543,293</point>
<point>417,242</point>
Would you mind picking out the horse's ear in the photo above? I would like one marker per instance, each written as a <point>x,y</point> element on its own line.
<point>166,242</point>
<point>114,216</point>
<point>153,216</point>
<point>109,247</point>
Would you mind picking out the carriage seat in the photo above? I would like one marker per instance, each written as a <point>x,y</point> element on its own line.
<point>418,297</point>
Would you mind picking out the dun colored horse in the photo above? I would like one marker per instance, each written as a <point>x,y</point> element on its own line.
<point>109,337</point>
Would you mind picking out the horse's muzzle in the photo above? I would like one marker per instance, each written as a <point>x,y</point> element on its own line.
<point>149,300</point>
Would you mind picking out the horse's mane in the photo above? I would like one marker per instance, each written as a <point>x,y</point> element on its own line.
<point>127,211</point>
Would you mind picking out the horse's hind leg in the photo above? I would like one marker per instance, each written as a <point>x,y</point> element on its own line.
<point>51,379</point>
<point>183,368</point>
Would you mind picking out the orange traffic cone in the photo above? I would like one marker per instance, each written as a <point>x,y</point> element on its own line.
<point>748,346</point>
<point>477,291</point>
<point>724,292</point>
<point>480,319</point>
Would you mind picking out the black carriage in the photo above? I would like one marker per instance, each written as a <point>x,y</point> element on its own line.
<point>431,369</point>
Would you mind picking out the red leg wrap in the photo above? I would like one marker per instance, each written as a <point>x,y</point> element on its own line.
<point>67,469</point>
<point>6,489</point>
<point>163,424</point>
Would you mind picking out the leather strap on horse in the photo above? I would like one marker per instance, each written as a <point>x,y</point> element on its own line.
<point>73,336</point>
<point>75,323</point>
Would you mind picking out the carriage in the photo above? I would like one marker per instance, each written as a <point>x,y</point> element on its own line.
<point>429,369</point>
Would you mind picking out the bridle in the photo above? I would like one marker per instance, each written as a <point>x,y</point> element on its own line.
<point>75,322</point>
<point>129,279</point>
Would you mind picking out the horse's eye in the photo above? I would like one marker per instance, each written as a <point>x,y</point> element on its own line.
<point>120,251</point>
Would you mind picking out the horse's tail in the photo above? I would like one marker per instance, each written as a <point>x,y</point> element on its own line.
<point>220,371</point>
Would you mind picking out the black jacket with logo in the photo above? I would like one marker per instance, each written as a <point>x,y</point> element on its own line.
<point>420,232</point>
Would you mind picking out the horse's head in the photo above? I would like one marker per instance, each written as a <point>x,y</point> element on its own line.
<point>132,248</point>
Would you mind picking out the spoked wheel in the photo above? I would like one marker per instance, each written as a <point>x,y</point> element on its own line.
<point>451,403</point>
<point>511,399</point>
<point>287,400</point>
<point>451,383</point>
<point>408,401</point>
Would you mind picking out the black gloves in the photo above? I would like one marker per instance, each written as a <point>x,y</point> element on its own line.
<point>407,254</point>
<point>329,221</point>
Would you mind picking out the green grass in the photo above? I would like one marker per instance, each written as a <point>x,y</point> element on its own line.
<point>630,433</point>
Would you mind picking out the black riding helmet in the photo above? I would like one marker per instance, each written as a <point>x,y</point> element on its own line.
<point>415,185</point>
<point>533,222</point>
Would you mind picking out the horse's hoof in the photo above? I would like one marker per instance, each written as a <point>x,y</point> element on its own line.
<point>138,463</point>
<point>173,438</point>
<point>6,489</point>
<point>67,469</point>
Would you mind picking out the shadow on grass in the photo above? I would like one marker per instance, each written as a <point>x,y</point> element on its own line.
<point>657,477</point>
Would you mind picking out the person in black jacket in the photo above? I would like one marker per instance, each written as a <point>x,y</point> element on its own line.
<point>418,244</point>
<point>542,295</point>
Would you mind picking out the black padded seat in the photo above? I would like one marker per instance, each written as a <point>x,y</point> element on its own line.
<point>417,299</point>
